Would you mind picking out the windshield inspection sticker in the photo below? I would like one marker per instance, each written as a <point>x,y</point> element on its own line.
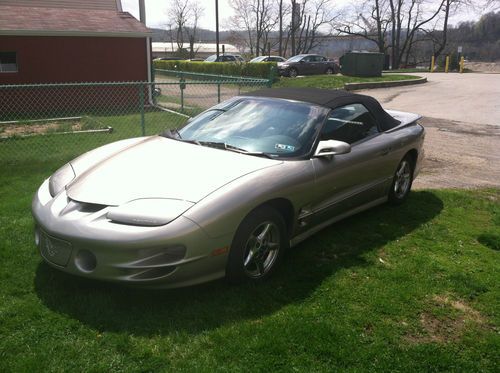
<point>284,148</point>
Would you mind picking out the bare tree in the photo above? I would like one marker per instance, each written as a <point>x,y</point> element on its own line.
<point>244,19</point>
<point>399,25</point>
<point>315,18</point>
<point>414,15</point>
<point>440,39</point>
<point>370,20</point>
<point>184,15</point>
<point>191,28</point>
<point>266,20</point>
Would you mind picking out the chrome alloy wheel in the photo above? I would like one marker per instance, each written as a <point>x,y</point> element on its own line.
<point>261,249</point>
<point>403,179</point>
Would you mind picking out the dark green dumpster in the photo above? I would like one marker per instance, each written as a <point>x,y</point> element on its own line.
<point>362,64</point>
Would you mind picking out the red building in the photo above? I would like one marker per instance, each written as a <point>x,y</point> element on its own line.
<point>62,41</point>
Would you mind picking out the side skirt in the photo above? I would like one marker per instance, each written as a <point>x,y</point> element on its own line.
<point>301,237</point>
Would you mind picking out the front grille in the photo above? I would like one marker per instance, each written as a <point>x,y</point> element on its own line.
<point>55,250</point>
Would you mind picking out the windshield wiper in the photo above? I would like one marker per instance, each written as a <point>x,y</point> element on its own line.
<point>243,151</point>
<point>224,146</point>
<point>174,134</point>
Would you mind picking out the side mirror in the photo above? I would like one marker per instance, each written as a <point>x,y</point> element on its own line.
<point>331,147</point>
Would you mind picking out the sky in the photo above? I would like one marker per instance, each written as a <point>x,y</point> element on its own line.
<point>156,12</point>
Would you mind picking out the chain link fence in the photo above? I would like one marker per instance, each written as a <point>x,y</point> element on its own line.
<point>61,121</point>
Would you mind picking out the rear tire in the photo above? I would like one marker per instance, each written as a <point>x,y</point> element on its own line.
<point>402,181</point>
<point>258,246</point>
<point>329,71</point>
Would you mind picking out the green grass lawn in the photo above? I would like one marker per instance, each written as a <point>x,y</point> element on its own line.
<point>335,81</point>
<point>409,288</point>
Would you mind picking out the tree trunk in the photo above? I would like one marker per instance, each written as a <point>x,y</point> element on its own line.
<point>445,30</point>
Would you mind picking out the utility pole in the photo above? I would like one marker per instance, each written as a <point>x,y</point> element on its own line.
<point>217,28</point>
<point>281,29</point>
<point>142,12</point>
<point>294,21</point>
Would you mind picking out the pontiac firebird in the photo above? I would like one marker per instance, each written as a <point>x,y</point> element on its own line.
<point>230,192</point>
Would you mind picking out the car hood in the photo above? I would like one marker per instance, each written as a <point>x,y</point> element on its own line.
<point>162,168</point>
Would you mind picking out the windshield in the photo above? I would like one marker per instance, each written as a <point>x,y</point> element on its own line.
<point>257,59</point>
<point>274,127</point>
<point>211,58</point>
<point>295,58</point>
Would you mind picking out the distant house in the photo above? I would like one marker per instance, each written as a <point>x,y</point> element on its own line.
<point>61,41</point>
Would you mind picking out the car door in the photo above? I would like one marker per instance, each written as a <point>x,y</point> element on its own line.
<point>304,67</point>
<point>318,65</point>
<point>347,181</point>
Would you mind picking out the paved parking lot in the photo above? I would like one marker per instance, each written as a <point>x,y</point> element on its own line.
<point>470,98</point>
<point>462,119</point>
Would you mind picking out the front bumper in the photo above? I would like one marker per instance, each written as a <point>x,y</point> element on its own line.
<point>284,71</point>
<point>77,238</point>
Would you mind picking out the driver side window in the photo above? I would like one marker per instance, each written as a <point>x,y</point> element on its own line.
<point>350,123</point>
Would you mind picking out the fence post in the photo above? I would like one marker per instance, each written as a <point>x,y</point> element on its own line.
<point>141,108</point>
<point>182,85</point>
<point>271,77</point>
<point>447,64</point>
<point>218,93</point>
<point>432,63</point>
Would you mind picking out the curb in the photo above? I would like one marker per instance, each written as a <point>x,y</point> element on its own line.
<point>396,83</point>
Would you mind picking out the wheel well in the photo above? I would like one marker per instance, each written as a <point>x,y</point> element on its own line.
<point>413,154</point>
<point>285,208</point>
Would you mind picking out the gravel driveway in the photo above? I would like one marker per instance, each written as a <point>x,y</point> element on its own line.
<point>462,121</point>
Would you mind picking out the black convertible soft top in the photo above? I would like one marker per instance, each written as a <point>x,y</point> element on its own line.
<point>331,99</point>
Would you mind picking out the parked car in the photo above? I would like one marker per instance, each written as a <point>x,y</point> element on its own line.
<point>268,59</point>
<point>225,58</point>
<point>307,64</point>
<point>228,193</point>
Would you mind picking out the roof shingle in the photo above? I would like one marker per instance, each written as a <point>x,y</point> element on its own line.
<point>19,20</point>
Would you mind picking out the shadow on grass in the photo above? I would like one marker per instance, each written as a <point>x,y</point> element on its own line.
<point>113,308</point>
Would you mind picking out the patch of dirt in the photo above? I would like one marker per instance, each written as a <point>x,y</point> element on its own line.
<point>459,155</point>
<point>22,129</point>
<point>486,67</point>
<point>449,327</point>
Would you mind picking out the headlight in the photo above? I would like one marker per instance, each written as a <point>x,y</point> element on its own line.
<point>60,179</point>
<point>283,65</point>
<point>148,212</point>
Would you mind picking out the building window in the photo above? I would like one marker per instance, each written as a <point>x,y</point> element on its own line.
<point>8,62</point>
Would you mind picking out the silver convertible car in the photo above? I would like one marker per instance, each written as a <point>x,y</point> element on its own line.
<point>230,192</point>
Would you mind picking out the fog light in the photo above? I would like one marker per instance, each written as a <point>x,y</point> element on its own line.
<point>85,261</point>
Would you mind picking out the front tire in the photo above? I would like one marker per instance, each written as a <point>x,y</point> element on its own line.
<point>258,246</point>
<point>329,71</point>
<point>293,73</point>
<point>402,181</point>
